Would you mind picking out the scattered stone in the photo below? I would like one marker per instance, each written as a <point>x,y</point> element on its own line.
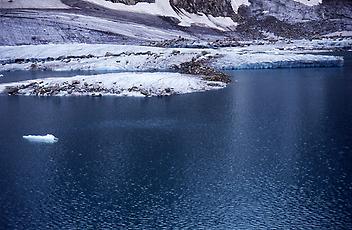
<point>76,82</point>
<point>145,92</point>
<point>214,84</point>
<point>109,54</point>
<point>11,90</point>
<point>199,67</point>
<point>175,52</point>
<point>134,88</point>
<point>19,60</point>
<point>33,66</point>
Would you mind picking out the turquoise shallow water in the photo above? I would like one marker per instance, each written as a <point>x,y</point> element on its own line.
<point>272,150</point>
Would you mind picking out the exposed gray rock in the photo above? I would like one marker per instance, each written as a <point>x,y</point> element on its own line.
<point>11,90</point>
<point>130,2</point>
<point>212,7</point>
<point>285,18</point>
<point>76,82</point>
<point>199,67</point>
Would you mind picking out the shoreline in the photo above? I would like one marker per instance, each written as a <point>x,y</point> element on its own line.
<point>201,68</point>
<point>113,84</point>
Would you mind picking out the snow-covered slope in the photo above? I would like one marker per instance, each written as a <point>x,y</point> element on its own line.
<point>237,3</point>
<point>225,15</point>
<point>309,2</point>
<point>160,7</point>
<point>32,4</point>
<point>141,21</point>
<point>164,8</point>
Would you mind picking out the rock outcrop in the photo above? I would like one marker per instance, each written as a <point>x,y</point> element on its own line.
<point>285,18</point>
<point>210,7</point>
<point>130,2</point>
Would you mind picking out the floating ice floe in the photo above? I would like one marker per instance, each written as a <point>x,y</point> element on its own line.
<point>49,138</point>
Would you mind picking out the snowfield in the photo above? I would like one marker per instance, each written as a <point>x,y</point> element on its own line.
<point>53,26</point>
<point>309,2</point>
<point>152,71</point>
<point>114,84</point>
<point>32,4</point>
<point>237,3</point>
<point>340,34</point>
<point>63,57</point>
<point>163,8</point>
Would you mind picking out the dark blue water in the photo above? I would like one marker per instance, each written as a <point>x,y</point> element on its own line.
<point>271,151</point>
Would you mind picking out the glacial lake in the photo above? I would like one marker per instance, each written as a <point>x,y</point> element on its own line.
<point>271,151</point>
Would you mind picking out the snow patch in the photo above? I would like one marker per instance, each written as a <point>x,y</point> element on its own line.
<point>200,19</point>
<point>32,4</point>
<point>339,34</point>
<point>49,138</point>
<point>163,8</point>
<point>159,8</point>
<point>309,2</point>
<point>237,3</point>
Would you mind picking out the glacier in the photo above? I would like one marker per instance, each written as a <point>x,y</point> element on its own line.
<point>129,58</point>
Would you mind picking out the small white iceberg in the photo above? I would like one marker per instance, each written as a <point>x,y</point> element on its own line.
<point>49,138</point>
<point>1,75</point>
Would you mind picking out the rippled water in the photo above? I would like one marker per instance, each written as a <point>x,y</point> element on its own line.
<point>273,150</point>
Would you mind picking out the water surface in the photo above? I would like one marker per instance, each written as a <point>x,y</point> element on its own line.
<point>271,151</point>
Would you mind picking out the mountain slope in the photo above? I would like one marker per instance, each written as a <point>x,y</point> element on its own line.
<point>145,21</point>
<point>225,15</point>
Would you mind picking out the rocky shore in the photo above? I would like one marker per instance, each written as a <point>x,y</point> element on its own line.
<point>154,71</point>
<point>201,68</point>
<point>76,88</point>
<point>113,84</point>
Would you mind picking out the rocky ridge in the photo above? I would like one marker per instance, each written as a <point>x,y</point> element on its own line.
<point>286,18</point>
